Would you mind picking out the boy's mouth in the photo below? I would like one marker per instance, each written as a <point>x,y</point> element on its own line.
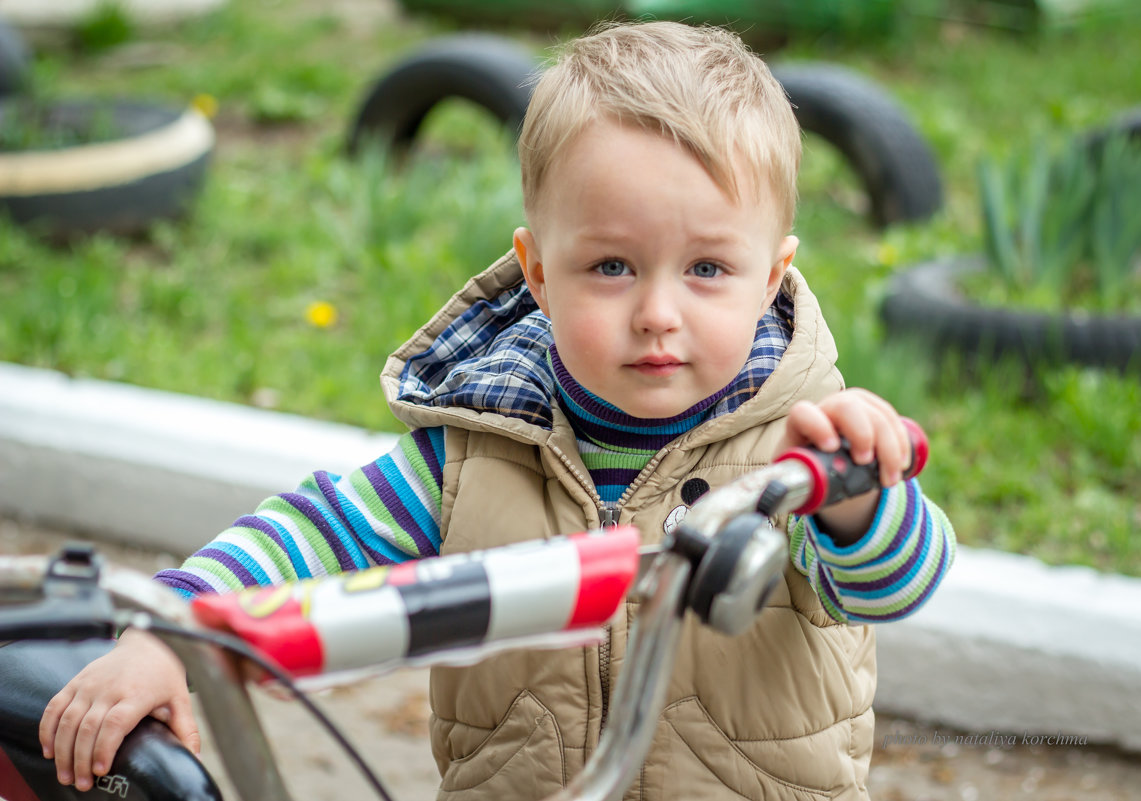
<point>658,365</point>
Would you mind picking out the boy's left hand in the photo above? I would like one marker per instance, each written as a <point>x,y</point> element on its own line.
<point>873,429</point>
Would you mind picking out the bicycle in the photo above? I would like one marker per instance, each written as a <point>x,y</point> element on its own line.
<point>721,562</point>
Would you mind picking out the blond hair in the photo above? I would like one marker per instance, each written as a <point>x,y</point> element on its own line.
<point>700,86</point>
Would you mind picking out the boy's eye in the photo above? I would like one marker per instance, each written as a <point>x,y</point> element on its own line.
<point>611,267</point>
<point>706,269</point>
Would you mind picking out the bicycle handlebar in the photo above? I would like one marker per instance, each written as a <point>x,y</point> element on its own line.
<point>532,593</point>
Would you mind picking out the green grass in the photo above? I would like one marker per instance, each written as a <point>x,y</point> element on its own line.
<point>217,305</point>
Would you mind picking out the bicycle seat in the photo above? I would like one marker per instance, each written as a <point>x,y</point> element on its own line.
<point>151,765</point>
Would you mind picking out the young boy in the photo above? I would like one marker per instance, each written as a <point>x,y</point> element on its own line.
<point>646,340</point>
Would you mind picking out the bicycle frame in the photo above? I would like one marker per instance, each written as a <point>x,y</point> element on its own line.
<point>242,742</point>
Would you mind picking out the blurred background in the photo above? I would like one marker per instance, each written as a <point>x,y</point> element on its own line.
<point>256,201</point>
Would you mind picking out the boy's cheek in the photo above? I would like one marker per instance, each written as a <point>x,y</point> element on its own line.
<point>582,344</point>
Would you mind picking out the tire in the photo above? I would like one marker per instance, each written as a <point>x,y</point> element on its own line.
<point>151,170</point>
<point>895,165</point>
<point>871,130</point>
<point>925,302</point>
<point>13,61</point>
<point>1127,124</point>
<point>491,71</point>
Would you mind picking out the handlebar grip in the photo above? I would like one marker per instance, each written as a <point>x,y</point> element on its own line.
<point>836,477</point>
<point>391,614</point>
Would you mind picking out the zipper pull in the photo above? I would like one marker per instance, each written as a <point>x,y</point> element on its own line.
<point>608,516</point>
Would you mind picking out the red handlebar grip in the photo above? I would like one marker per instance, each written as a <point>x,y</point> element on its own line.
<point>834,476</point>
<point>919,448</point>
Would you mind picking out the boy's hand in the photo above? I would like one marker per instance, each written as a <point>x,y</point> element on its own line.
<point>84,724</point>
<point>873,430</point>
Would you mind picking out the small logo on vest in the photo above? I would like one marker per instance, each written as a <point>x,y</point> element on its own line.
<point>674,518</point>
<point>691,491</point>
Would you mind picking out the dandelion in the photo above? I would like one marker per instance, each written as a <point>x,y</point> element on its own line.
<point>206,105</point>
<point>321,314</point>
<point>888,254</point>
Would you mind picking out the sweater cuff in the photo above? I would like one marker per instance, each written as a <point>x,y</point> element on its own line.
<point>872,542</point>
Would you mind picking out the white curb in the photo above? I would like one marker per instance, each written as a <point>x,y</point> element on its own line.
<point>1010,645</point>
<point>154,468</point>
<point>69,13</point>
<point>1006,644</point>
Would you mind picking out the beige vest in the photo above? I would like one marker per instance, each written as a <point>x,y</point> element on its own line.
<point>782,712</point>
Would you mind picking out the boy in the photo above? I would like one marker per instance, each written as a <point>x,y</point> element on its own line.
<point>646,340</point>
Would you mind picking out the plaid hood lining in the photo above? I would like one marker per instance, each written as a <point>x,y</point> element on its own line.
<point>493,358</point>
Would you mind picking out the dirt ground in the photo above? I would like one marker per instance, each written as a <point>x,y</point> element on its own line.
<point>386,718</point>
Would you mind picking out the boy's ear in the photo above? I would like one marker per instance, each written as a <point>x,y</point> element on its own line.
<point>527,252</point>
<point>785,253</point>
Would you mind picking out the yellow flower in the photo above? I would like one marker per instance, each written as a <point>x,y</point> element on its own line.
<point>206,105</point>
<point>888,254</point>
<point>321,314</point>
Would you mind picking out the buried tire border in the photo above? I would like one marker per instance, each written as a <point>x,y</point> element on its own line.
<point>897,169</point>
<point>489,70</point>
<point>151,171</point>
<point>924,301</point>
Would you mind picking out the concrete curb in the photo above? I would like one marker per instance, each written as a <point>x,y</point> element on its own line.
<point>153,468</point>
<point>56,14</point>
<point>1007,644</point>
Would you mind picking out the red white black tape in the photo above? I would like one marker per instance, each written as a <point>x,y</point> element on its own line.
<point>386,614</point>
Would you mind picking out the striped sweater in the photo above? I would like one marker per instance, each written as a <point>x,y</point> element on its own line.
<point>389,511</point>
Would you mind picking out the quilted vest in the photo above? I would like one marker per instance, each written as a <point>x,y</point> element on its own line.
<point>782,712</point>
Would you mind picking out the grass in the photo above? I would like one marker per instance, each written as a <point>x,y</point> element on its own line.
<point>221,304</point>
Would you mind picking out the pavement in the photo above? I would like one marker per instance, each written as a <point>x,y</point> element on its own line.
<point>1007,644</point>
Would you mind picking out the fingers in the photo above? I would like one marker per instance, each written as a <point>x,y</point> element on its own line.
<point>808,424</point>
<point>84,724</point>
<point>86,735</point>
<point>871,426</point>
<point>66,734</point>
<point>181,722</point>
<point>49,721</point>
<point>94,757</point>
<point>874,430</point>
<point>66,721</point>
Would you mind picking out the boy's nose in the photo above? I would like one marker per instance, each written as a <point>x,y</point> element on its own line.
<point>658,311</point>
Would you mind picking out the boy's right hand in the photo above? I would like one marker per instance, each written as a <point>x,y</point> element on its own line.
<point>84,724</point>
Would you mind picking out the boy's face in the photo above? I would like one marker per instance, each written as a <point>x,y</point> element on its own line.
<point>654,278</point>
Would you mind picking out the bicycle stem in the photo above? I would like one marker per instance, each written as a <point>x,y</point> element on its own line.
<point>740,496</point>
<point>234,723</point>
<point>641,686</point>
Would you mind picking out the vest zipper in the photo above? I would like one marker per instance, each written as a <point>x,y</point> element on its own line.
<point>608,518</point>
<point>608,514</point>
